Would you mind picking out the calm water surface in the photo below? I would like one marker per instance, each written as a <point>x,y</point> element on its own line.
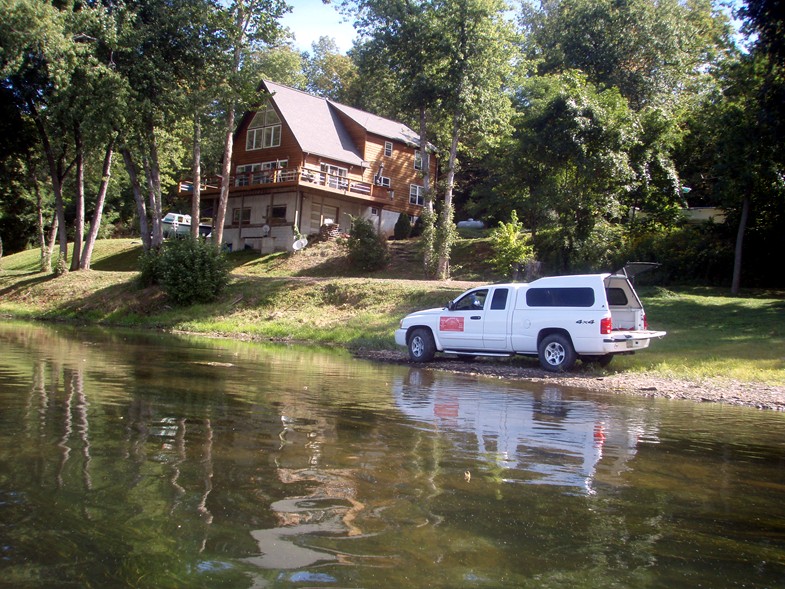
<point>131,460</point>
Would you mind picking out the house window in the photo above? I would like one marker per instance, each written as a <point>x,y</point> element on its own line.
<point>275,165</point>
<point>264,130</point>
<point>383,181</point>
<point>276,214</point>
<point>388,147</point>
<point>416,195</point>
<point>241,216</point>
<point>243,177</point>
<point>263,173</point>
<point>336,177</point>
<point>419,159</point>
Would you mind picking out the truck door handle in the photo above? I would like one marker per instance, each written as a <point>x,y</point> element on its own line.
<point>475,317</point>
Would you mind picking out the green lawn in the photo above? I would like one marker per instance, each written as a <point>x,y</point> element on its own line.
<point>307,298</point>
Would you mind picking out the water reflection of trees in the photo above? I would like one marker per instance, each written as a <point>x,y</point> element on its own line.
<point>241,469</point>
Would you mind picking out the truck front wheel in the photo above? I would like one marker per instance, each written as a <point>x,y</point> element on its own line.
<point>556,353</point>
<point>422,348</point>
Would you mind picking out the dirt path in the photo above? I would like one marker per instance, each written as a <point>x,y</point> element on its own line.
<point>758,395</point>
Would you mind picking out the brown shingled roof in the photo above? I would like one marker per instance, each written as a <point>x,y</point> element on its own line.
<point>318,130</point>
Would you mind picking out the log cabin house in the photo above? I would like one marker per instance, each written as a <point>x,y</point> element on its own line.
<point>305,164</point>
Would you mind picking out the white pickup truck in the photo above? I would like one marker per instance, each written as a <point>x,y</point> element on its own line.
<point>559,319</point>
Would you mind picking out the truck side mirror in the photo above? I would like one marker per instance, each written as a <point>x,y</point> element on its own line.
<point>450,305</point>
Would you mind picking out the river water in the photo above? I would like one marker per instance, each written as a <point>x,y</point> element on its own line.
<point>146,460</point>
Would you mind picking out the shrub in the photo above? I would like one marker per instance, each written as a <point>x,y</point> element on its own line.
<point>403,227</point>
<point>417,228</point>
<point>149,268</point>
<point>367,249</point>
<point>189,270</point>
<point>510,246</point>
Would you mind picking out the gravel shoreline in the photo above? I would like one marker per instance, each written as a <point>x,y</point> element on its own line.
<point>757,395</point>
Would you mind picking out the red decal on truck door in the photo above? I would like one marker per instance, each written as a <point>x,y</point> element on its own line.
<point>450,323</point>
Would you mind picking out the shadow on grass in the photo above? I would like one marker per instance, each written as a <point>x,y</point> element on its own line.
<point>126,261</point>
<point>21,285</point>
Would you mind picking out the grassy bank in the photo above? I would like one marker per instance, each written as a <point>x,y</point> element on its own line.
<point>314,297</point>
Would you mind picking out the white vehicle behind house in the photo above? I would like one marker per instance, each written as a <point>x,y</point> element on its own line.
<point>559,319</point>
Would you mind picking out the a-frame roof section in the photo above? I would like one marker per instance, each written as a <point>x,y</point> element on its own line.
<point>316,127</point>
<point>379,126</point>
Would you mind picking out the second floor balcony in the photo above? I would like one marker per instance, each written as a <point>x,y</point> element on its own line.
<point>295,177</point>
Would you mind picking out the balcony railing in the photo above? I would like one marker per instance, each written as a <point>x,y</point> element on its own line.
<point>301,176</point>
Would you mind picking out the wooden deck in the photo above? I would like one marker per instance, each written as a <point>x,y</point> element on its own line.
<point>295,178</point>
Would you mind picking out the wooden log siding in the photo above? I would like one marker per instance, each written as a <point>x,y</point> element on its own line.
<point>399,168</point>
<point>303,170</point>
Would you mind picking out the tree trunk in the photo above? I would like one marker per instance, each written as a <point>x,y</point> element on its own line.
<point>745,213</point>
<point>79,220</point>
<point>427,214</point>
<point>197,178</point>
<point>46,264</point>
<point>95,223</point>
<point>153,173</point>
<point>39,208</point>
<point>243,16</point>
<point>136,188</point>
<point>446,222</point>
<point>226,178</point>
<point>56,177</point>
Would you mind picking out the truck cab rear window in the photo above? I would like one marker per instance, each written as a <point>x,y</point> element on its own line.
<point>560,297</point>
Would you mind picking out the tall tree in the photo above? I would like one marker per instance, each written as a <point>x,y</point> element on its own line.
<point>734,156</point>
<point>571,157</point>
<point>329,73</point>
<point>450,59</point>
<point>61,74</point>
<point>479,57</point>
<point>249,24</point>
<point>401,66</point>
<point>648,50</point>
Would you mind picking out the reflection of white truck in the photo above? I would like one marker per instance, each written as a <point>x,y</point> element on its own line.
<point>558,319</point>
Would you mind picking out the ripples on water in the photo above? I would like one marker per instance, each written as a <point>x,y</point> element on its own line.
<point>155,461</point>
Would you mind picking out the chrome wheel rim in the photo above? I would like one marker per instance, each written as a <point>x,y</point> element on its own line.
<point>554,354</point>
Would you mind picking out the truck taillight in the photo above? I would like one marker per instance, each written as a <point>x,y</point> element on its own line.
<point>645,323</point>
<point>606,325</point>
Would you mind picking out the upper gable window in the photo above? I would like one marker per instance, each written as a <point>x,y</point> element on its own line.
<point>388,148</point>
<point>264,130</point>
<point>419,159</point>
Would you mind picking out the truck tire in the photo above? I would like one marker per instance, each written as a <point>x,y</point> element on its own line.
<point>421,346</point>
<point>556,353</point>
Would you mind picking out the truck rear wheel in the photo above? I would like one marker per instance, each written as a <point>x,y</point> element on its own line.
<point>421,346</point>
<point>556,353</point>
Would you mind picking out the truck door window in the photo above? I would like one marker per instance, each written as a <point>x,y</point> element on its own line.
<point>473,301</point>
<point>499,300</point>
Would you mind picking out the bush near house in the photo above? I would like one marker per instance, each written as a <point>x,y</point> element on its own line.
<point>189,270</point>
<point>403,227</point>
<point>368,250</point>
